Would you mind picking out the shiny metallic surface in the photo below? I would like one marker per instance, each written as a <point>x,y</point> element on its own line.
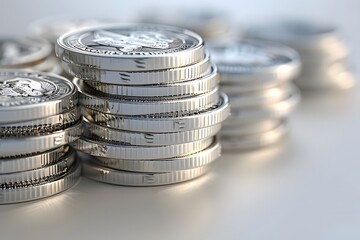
<point>114,47</point>
<point>319,46</point>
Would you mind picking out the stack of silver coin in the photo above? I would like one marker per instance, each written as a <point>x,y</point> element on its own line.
<point>150,100</point>
<point>33,54</point>
<point>322,51</point>
<point>39,117</point>
<point>257,78</point>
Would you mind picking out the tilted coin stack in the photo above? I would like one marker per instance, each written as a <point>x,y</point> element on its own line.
<point>150,101</point>
<point>322,51</point>
<point>39,118</point>
<point>27,53</point>
<point>257,78</point>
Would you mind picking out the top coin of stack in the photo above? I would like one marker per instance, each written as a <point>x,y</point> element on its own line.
<point>322,52</point>
<point>151,102</point>
<point>26,53</point>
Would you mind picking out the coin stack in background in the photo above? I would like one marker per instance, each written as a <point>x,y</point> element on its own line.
<point>210,24</point>
<point>33,54</point>
<point>150,100</point>
<point>52,28</point>
<point>322,51</point>
<point>39,117</point>
<point>257,78</point>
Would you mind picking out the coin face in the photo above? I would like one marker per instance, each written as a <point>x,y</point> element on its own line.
<point>24,88</point>
<point>247,56</point>
<point>127,40</point>
<point>15,52</point>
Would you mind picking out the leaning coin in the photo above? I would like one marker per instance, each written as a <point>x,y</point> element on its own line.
<point>94,131</point>
<point>26,96</point>
<point>163,123</point>
<point>27,163</point>
<point>162,76</point>
<point>33,177</point>
<point>188,88</point>
<point>142,106</point>
<point>22,146</point>
<point>195,160</point>
<point>253,141</point>
<point>122,151</point>
<point>275,110</point>
<point>131,47</point>
<point>29,192</point>
<point>42,125</point>
<point>255,62</point>
<point>118,177</point>
<point>22,52</point>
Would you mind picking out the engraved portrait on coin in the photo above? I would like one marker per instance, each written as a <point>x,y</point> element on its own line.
<point>133,41</point>
<point>26,88</point>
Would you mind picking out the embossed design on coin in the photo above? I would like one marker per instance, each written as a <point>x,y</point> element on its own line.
<point>25,87</point>
<point>135,40</point>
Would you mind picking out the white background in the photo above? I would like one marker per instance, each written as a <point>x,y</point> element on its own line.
<point>305,188</point>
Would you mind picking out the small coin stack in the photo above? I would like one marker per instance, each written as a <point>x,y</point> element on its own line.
<point>39,117</point>
<point>150,101</point>
<point>323,54</point>
<point>33,54</point>
<point>256,76</point>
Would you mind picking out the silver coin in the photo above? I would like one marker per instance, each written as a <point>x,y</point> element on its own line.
<point>275,110</point>
<point>118,177</point>
<point>313,41</point>
<point>11,165</point>
<point>338,81</point>
<point>35,176</point>
<point>26,96</point>
<point>163,123</point>
<point>121,151</point>
<point>255,62</point>
<point>182,89</point>
<point>43,125</point>
<point>142,106</point>
<point>94,131</point>
<point>42,189</point>
<point>131,47</point>
<point>15,146</point>
<point>261,97</point>
<point>249,128</point>
<point>254,141</point>
<point>163,76</point>
<point>22,52</point>
<point>195,160</point>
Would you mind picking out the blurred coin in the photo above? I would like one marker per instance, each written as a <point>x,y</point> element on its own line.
<point>22,52</point>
